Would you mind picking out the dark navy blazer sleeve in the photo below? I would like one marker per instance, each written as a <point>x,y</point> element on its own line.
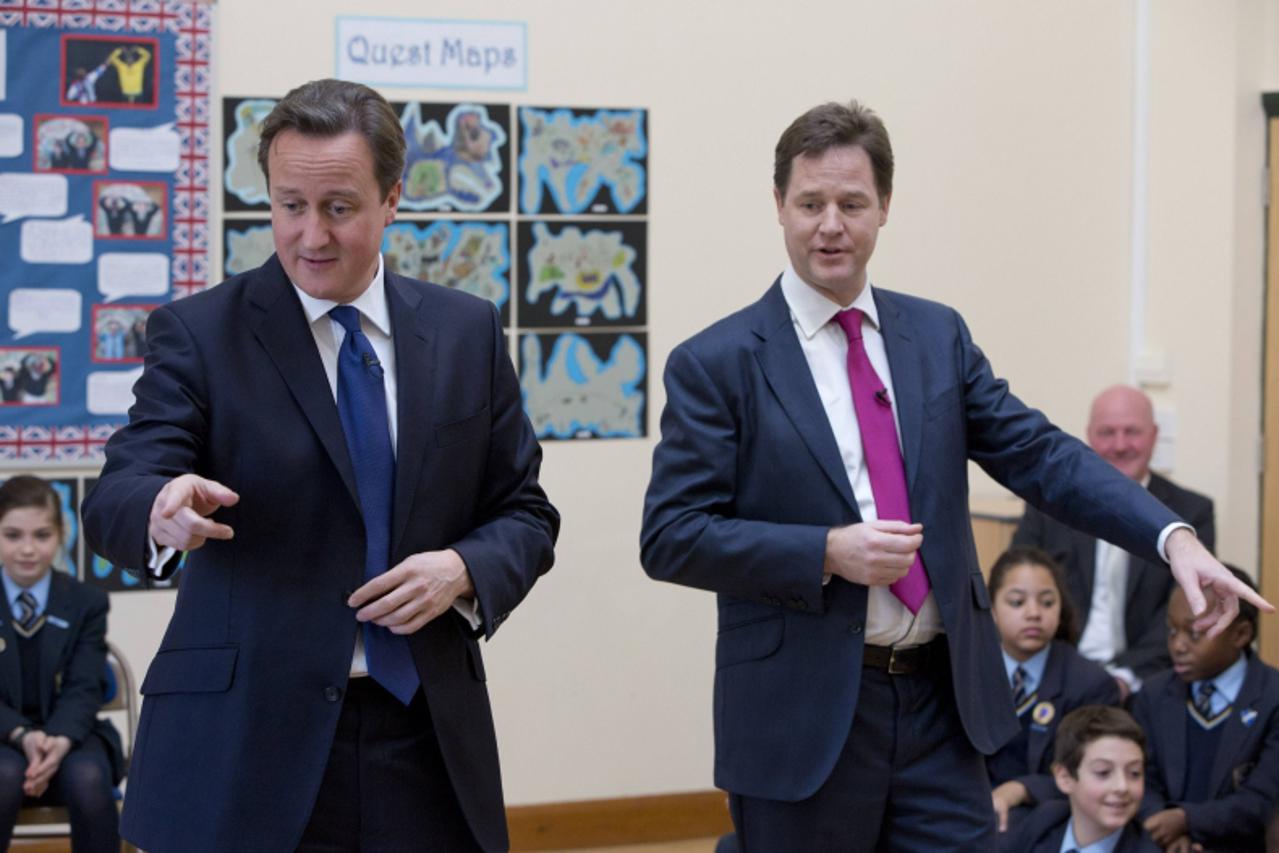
<point>694,532</point>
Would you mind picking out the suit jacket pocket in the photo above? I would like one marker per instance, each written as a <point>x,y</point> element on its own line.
<point>981,596</point>
<point>469,427</point>
<point>754,639</point>
<point>941,403</point>
<point>191,670</point>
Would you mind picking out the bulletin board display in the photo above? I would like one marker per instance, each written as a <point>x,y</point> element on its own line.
<point>541,210</point>
<point>104,205</point>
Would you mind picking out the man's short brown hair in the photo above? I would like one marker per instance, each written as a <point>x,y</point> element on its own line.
<point>1084,725</point>
<point>332,108</point>
<point>834,125</point>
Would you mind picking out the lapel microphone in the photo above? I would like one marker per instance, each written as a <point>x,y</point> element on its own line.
<point>372,365</point>
<point>881,397</point>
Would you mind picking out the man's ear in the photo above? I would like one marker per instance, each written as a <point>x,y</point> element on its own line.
<point>883,210</point>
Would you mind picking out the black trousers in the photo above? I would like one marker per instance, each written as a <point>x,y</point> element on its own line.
<point>385,787</point>
<point>82,784</point>
<point>908,779</point>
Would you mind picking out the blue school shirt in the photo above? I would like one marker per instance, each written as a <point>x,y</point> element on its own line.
<point>39,590</point>
<point>1034,666</point>
<point>1105,845</point>
<point>1227,684</point>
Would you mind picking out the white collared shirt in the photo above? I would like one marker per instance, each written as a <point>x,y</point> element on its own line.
<point>825,346</point>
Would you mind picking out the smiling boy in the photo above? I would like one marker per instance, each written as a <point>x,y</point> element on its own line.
<point>1099,765</point>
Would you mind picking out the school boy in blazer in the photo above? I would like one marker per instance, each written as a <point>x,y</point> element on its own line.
<point>1213,729</point>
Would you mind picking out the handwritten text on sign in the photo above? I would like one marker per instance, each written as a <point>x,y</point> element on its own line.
<point>414,52</point>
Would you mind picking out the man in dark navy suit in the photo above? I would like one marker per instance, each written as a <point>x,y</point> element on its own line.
<point>344,454</point>
<point>1122,599</point>
<point>813,472</point>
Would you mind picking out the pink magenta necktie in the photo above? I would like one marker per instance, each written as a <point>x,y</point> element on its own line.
<point>882,453</point>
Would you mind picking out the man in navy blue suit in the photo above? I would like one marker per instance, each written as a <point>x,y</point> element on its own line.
<point>813,472</point>
<point>344,455</point>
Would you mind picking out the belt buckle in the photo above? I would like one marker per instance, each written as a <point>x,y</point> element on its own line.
<point>896,667</point>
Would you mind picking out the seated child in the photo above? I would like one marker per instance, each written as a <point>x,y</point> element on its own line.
<point>52,664</point>
<point>1049,679</point>
<point>1212,777</point>
<point>1099,765</point>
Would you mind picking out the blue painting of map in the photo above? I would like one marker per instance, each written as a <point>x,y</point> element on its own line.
<point>585,385</point>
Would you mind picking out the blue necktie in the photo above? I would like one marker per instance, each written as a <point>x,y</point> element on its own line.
<point>362,407</point>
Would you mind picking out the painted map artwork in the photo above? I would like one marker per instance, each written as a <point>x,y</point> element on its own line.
<point>580,161</point>
<point>583,274</point>
<point>457,166</point>
<point>470,256</point>
<point>245,184</point>
<point>584,385</point>
<point>248,245</point>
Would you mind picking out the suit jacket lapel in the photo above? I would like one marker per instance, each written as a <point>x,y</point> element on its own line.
<point>1233,731</point>
<point>782,361</point>
<point>1049,690</point>
<point>281,328</point>
<point>908,380</point>
<point>415,370</point>
<point>1172,721</point>
<point>53,640</point>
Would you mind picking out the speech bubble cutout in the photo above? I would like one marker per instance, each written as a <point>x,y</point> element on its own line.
<point>34,310</point>
<point>122,274</point>
<point>31,195</point>
<point>56,241</point>
<point>10,135</point>
<point>110,393</point>
<point>151,149</point>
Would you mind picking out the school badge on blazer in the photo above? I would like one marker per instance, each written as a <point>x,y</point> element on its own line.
<point>1043,713</point>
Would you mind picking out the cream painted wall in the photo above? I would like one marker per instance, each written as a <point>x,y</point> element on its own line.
<point>1012,124</point>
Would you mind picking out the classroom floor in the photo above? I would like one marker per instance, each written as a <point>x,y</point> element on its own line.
<point>704,845</point>
<point>701,845</point>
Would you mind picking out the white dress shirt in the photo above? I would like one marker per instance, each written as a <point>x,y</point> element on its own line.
<point>825,346</point>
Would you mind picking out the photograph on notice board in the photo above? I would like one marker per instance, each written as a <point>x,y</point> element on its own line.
<point>130,210</point>
<point>119,72</point>
<point>120,332</point>
<point>71,143</point>
<point>29,376</point>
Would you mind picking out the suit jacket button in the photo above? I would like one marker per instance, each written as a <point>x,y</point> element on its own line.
<point>332,694</point>
<point>855,628</point>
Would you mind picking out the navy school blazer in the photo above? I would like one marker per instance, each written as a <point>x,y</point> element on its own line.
<point>1070,681</point>
<point>1044,828</point>
<point>1245,771</point>
<point>73,660</point>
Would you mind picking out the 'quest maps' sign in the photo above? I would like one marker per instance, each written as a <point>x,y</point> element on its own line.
<point>415,52</point>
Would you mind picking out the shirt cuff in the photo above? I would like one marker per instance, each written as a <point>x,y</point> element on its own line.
<point>1162,545</point>
<point>469,609</point>
<point>1129,677</point>
<point>158,557</point>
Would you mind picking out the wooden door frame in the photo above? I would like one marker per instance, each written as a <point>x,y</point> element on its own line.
<point>1268,571</point>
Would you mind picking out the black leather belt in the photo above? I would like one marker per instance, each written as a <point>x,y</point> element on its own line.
<point>905,661</point>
